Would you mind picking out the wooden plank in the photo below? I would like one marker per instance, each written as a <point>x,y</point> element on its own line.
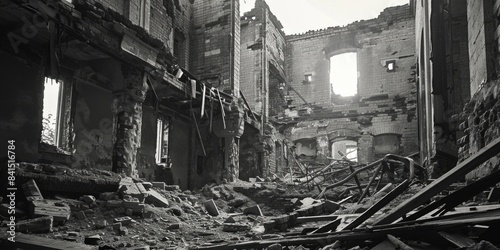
<point>414,231</point>
<point>305,219</point>
<point>463,194</point>
<point>198,132</point>
<point>33,242</point>
<point>494,194</point>
<point>379,205</point>
<point>458,240</point>
<point>398,243</point>
<point>222,109</point>
<point>442,182</point>
<point>331,226</point>
<point>203,100</point>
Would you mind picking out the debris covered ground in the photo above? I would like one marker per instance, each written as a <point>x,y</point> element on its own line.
<point>126,213</point>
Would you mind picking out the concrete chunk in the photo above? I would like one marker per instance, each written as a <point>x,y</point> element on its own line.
<point>211,207</point>
<point>60,211</point>
<point>156,199</point>
<point>38,225</point>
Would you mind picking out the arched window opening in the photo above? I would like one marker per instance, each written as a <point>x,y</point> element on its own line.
<point>386,144</point>
<point>345,148</point>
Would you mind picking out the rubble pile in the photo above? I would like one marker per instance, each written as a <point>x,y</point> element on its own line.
<point>138,214</point>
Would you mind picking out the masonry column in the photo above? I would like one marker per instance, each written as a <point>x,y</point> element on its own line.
<point>127,107</point>
<point>235,125</point>
<point>322,148</point>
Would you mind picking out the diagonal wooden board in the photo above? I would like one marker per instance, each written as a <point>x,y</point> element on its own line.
<point>456,173</point>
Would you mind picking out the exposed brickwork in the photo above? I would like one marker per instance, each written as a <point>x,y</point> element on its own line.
<point>374,40</point>
<point>214,46</point>
<point>256,88</point>
<point>386,100</point>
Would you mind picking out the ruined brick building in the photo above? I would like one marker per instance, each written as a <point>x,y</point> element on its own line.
<point>142,86</point>
<point>458,68</point>
<point>380,118</point>
<point>191,92</point>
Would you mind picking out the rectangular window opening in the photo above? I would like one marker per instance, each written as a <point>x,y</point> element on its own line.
<point>51,112</point>
<point>162,138</point>
<point>344,74</point>
<point>308,78</point>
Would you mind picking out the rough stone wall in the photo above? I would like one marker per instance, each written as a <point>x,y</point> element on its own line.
<point>214,47</point>
<point>386,100</point>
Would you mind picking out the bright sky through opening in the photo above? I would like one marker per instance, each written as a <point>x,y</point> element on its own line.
<point>344,74</point>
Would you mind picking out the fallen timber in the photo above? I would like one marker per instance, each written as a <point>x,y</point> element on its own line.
<point>453,175</point>
<point>417,230</point>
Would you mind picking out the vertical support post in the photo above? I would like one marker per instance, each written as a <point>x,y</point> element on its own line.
<point>127,108</point>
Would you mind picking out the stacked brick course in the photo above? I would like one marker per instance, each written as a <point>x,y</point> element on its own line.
<point>386,100</point>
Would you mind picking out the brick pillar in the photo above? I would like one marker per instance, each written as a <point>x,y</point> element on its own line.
<point>231,157</point>
<point>322,148</point>
<point>235,124</point>
<point>127,107</point>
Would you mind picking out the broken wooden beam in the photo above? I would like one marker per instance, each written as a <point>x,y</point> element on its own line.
<point>379,205</point>
<point>398,243</point>
<point>454,174</point>
<point>458,240</point>
<point>331,226</point>
<point>461,195</point>
<point>305,219</point>
<point>409,231</point>
<point>198,132</point>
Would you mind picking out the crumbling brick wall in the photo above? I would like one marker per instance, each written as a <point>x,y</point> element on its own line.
<point>479,119</point>
<point>215,44</point>
<point>254,78</point>
<point>481,31</point>
<point>388,37</point>
<point>385,103</point>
